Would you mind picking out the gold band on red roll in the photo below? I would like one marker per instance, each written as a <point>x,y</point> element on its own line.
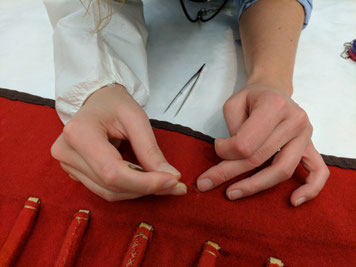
<point>274,262</point>
<point>74,235</point>
<point>19,232</point>
<point>209,255</point>
<point>135,253</point>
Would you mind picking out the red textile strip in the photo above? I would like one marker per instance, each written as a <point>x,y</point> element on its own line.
<point>135,253</point>
<point>18,235</point>
<point>209,255</point>
<point>75,233</point>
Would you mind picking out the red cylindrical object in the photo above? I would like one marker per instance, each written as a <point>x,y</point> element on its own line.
<point>352,54</point>
<point>19,232</point>
<point>74,235</point>
<point>209,255</point>
<point>136,251</point>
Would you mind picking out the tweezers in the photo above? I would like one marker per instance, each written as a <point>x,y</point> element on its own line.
<point>196,77</point>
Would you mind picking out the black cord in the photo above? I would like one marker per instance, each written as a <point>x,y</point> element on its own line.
<point>201,12</point>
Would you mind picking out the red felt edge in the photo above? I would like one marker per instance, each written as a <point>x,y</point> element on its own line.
<point>341,162</point>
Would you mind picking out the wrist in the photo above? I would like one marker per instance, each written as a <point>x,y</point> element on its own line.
<point>278,83</point>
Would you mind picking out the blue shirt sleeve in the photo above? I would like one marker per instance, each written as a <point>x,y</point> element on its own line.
<point>242,5</point>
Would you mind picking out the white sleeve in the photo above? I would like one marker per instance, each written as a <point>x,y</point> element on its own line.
<point>86,60</point>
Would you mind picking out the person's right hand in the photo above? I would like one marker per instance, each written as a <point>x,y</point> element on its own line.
<point>87,149</point>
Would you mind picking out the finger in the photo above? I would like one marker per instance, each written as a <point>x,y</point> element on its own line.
<point>235,112</point>
<point>229,169</point>
<point>67,155</point>
<point>251,135</point>
<point>179,190</point>
<point>144,144</point>
<point>281,169</point>
<point>97,189</point>
<point>283,134</point>
<point>315,181</point>
<point>93,146</point>
<point>74,178</point>
<point>222,172</point>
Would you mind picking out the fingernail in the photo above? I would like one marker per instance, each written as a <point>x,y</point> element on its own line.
<point>170,184</point>
<point>166,167</point>
<point>179,189</point>
<point>205,184</point>
<point>300,201</point>
<point>235,194</point>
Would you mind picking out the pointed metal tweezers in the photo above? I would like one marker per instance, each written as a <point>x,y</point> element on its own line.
<point>196,76</point>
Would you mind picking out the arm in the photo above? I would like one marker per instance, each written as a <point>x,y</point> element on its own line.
<point>86,60</point>
<point>101,81</point>
<point>270,32</point>
<point>262,118</point>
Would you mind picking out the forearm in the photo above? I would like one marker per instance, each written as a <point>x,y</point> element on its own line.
<point>270,31</point>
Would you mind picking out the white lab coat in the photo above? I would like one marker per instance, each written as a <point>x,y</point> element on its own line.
<point>86,60</point>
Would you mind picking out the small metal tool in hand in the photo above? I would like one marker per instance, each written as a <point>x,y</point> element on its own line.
<point>196,77</point>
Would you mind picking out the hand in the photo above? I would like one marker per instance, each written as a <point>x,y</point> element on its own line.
<point>87,153</point>
<point>263,121</point>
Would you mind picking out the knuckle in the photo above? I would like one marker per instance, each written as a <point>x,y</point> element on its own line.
<point>313,193</point>
<point>243,148</point>
<point>56,151</point>
<point>301,119</point>
<point>310,129</point>
<point>285,172</point>
<point>278,102</point>
<point>108,176</point>
<point>228,106</point>
<point>256,159</point>
<point>153,150</point>
<point>149,189</point>
<point>251,187</point>
<point>71,130</point>
<point>324,172</point>
<point>220,175</point>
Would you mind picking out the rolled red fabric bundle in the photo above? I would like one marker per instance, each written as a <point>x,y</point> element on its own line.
<point>209,255</point>
<point>136,251</point>
<point>74,235</point>
<point>19,233</point>
<point>352,54</point>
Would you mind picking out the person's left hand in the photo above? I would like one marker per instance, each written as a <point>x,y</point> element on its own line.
<point>263,121</point>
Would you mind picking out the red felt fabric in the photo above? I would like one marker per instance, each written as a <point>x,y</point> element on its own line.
<point>319,233</point>
<point>19,233</point>
<point>208,256</point>
<point>72,241</point>
<point>137,248</point>
<point>272,265</point>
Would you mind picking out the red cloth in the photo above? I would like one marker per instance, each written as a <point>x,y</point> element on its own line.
<point>72,240</point>
<point>209,254</point>
<point>321,232</point>
<point>137,248</point>
<point>19,233</point>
